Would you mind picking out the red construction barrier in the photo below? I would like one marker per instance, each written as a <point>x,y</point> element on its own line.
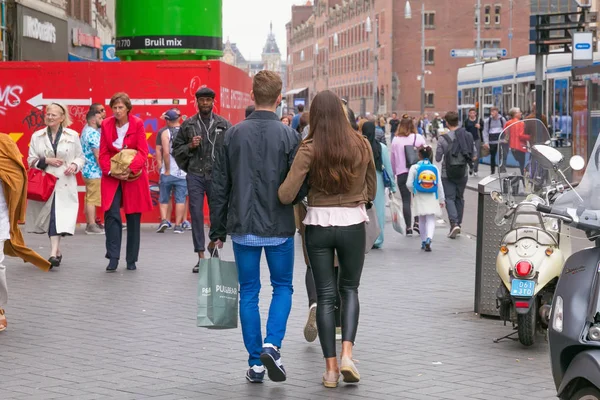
<point>154,87</point>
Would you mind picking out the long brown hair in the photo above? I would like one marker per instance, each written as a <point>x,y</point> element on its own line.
<point>336,145</point>
<point>407,126</point>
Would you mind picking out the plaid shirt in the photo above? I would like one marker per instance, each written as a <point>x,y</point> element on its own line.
<point>257,241</point>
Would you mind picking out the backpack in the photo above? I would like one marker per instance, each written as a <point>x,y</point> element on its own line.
<point>426,178</point>
<point>456,161</point>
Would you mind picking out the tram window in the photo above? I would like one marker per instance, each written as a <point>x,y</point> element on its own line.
<point>487,95</point>
<point>507,98</point>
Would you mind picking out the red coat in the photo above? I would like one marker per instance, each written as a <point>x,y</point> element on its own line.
<point>136,194</point>
<point>517,138</point>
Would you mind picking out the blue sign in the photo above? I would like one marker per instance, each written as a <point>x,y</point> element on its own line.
<point>109,53</point>
<point>299,101</point>
<point>583,46</point>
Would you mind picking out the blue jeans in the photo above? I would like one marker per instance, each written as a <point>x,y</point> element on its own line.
<point>281,266</point>
<point>172,184</point>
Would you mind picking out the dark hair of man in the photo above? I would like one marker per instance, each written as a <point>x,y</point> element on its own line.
<point>249,110</point>
<point>395,114</point>
<point>336,145</point>
<point>472,109</point>
<point>95,107</point>
<point>123,98</point>
<point>304,120</point>
<point>406,127</point>
<point>452,118</point>
<point>300,108</point>
<point>266,87</point>
<point>90,115</point>
<point>351,118</point>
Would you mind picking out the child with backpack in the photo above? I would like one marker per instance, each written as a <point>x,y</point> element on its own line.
<point>424,181</point>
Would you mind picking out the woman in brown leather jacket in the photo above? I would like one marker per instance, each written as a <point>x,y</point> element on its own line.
<point>342,180</point>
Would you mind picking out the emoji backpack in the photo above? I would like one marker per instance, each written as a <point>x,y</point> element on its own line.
<point>426,179</point>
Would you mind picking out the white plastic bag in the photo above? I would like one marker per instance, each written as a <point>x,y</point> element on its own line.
<point>397,216</point>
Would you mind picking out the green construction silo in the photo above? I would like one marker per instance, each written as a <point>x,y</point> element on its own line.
<point>169,29</point>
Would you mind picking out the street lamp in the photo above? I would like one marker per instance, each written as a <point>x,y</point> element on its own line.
<point>408,15</point>
<point>369,28</point>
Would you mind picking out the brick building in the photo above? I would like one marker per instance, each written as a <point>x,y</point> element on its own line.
<point>354,46</point>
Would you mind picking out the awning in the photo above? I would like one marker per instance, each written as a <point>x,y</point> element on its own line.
<point>295,91</point>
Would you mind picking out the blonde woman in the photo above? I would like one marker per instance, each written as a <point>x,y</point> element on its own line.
<point>56,149</point>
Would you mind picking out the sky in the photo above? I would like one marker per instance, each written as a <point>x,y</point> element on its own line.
<point>246,22</point>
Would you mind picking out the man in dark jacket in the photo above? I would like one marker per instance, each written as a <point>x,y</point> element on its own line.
<point>194,150</point>
<point>474,126</point>
<point>253,162</point>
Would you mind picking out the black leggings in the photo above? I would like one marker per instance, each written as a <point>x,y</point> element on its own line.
<point>406,197</point>
<point>321,244</point>
<point>493,154</point>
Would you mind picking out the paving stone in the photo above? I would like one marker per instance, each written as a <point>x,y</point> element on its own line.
<point>77,332</point>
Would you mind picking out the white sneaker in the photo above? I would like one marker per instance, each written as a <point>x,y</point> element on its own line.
<point>475,174</point>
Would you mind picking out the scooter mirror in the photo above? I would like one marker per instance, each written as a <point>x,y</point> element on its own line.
<point>497,197</point>
<point>577,163</point>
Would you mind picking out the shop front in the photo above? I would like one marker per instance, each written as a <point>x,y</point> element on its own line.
<point>39,36</point>
<point>586,110</point>
<point>84,43</point>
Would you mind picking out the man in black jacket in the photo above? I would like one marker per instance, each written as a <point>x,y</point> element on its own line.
<point>194,150</point>
<point>253,162</point>
<point>474,126</point>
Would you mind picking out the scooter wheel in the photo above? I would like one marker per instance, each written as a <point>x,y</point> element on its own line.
<point>587,393</point>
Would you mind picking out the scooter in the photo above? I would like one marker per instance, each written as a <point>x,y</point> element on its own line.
<point>530,259</point>
<point>574,332</point>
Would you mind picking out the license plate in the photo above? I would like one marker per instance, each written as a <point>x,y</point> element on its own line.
<point>522,288</point>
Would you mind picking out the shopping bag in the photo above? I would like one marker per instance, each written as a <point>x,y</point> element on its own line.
<point>397,215</point>
<point>40,185</point>
<point>387,180</point>
<point>372,229</point>
<point>217,294</point>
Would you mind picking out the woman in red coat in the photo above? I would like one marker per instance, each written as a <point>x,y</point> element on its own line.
<point>123,131</point>
<point>517,137</point>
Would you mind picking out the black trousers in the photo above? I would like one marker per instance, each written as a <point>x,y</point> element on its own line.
<point>113,227</point>
<point>520,157</point>
<point>493,154</point>
<point>198,187</point>
<point>321,244</point>
<point>406,197</point>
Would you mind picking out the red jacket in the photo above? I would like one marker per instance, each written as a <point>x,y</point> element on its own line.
<point>136,194</point>
<point>517,137</point>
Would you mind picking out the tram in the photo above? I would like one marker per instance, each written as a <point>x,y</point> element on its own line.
<point>511,83</point>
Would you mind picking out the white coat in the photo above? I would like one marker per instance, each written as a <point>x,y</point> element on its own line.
<point>65,191</point>
<point>425,203</point>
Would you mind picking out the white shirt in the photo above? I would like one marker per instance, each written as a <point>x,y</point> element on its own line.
<point>336,216</point>
<point>4,219</point>
<point>121,132</point>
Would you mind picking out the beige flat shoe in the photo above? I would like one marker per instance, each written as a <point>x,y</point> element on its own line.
<point>3,323</point>
<point>349,371</point>
<point>331,379</point>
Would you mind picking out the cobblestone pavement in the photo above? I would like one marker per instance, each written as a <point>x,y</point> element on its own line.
<point>80,333</point>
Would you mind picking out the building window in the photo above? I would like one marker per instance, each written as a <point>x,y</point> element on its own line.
<point>497,15</point>
<point>381,19</point>
<point>80,9</point>
<point>430,56</point>
<point>487,19</point>
<point>429,99</point>
<point>430,20</point>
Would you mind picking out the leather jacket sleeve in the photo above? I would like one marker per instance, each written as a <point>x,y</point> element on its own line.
<point>219,199</point>
<point>181,149</point>
<point>291,187</point>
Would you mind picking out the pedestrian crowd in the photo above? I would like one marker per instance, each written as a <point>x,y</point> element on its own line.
<point>322,172</point>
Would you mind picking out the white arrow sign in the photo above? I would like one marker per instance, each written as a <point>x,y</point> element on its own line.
<point>155,102</point>
<point>39,100</point>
